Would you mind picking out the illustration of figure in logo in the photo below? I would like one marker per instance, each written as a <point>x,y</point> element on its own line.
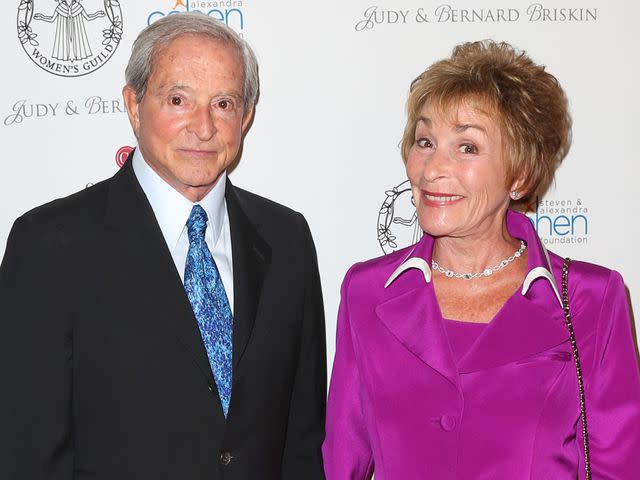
<point>398,225</point>
<point>71,41</point>
<point>411,222</point>
<point>179,3</point>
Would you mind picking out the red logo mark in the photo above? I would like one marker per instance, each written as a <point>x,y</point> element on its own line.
<point>122,154</point>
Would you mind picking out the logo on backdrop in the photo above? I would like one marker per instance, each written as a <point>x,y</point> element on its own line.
<point>560,221</point>
<point>122,154</point>
<point>376,16</point>
<point>557,221</point>
<point>230,12</point>
<point>397,219</point>
<point>69,38</point>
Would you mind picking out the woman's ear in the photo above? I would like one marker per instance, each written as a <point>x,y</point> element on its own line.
<point>518,189</point>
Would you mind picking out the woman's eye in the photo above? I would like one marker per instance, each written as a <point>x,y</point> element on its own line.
<point>175,100</point>
<point>468,148</point>
<point>424,143</point>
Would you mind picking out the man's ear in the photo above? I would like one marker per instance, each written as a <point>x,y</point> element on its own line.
<point>246,120</point>
<point>133,108</point>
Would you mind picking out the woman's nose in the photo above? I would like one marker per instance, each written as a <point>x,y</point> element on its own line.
<point>436,165</point>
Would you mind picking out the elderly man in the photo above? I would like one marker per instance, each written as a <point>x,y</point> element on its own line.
<point>164,324</point>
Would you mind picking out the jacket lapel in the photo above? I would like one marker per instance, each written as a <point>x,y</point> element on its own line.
<point>140,246</point>
<point>251,258</point>
<point>532,320</point>
<point>525,326</point>
<point>411,313</point>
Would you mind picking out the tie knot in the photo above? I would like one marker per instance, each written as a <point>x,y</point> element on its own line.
<point>197,224</point>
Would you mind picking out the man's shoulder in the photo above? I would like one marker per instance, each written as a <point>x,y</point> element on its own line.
<point>252,200</point>
<point>81,207</point>
<point>266,212</point>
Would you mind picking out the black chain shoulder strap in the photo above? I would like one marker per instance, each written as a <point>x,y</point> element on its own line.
<point>576,360</point>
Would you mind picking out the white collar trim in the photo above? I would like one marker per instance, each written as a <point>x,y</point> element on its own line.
<point>412,262</point>
<point>419,263</point>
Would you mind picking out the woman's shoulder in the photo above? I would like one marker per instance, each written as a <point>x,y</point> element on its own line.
<point>593,289</point>
<point>372,274</point>
<point>583,274</point>
<point>381,264</point>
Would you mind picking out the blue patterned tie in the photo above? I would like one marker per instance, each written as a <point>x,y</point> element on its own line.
<point>210,305</point>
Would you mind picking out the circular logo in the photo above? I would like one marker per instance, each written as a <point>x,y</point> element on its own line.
<point>70,38</point>
<point>398,225</point>
<point>122,154</point>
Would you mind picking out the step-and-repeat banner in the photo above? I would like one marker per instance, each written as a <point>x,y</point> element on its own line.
<point>325,140</point>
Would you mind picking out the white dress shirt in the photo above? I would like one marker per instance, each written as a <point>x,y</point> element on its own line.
<point>172,211</point>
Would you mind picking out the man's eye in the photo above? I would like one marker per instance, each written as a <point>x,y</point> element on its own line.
<point>177,101</point>
<point>225,104</point>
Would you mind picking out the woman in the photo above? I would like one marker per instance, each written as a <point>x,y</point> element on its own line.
<point>453,358</point>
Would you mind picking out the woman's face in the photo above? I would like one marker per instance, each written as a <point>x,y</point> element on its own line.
<point>458,173</point>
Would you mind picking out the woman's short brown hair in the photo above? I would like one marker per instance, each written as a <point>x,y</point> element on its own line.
<point>528,102</point>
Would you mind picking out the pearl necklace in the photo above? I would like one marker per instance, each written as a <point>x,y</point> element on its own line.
<point>486,272</point>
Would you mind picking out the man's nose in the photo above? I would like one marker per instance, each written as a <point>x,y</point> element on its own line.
<point>202,123</point>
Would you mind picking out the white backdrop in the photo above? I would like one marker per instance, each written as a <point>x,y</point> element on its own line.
<point>334,79</point>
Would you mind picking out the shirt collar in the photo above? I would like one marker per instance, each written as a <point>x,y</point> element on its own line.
<point>519,226</point>
<point>172,209</point>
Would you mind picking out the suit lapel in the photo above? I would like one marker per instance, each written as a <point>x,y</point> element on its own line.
<point>251,258</point>
<point>140,246</point>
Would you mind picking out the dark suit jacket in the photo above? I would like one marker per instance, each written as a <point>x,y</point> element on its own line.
<point>103,372</point>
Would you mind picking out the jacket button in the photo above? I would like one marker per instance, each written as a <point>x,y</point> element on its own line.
<point>225,458</point>
<point>448,422</point>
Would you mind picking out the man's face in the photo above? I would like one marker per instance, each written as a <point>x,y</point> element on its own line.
<point>190,122</point>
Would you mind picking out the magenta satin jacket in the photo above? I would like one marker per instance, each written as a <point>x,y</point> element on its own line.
<point>509,410</point>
